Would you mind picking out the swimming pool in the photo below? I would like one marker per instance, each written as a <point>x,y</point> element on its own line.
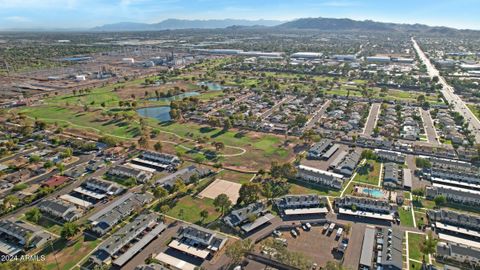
<point>373,192</point>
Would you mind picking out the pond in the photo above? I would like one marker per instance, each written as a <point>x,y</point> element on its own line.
<point>211,86</point>
<point>161,113</point>
<point>180,96</point>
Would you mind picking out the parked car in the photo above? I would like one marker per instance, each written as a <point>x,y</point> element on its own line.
<point>309,226</point>
<point>294,233</point>
<point>325,227</point>
<point>277,233</point>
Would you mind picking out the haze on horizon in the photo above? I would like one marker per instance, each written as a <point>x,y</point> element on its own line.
<point>84,14</point>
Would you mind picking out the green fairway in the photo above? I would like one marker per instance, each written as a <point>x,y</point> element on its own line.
<point>84,120</point>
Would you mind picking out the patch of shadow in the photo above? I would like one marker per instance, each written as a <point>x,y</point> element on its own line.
<point>206,129</point>
<point>220,133</point>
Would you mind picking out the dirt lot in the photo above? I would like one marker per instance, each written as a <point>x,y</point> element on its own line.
<point>221,186</point>
<point>314,244</point>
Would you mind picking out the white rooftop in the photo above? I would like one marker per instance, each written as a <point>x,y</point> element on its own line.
<point>200,253</point>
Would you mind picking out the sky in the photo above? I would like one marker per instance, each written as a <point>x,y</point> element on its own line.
<point>89,13</point>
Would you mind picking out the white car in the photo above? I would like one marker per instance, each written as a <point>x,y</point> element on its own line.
<point>277,233</point>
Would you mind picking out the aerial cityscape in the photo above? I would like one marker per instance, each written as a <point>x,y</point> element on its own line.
<point>289,135</point>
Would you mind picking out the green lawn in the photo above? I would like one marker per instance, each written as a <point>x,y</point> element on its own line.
<point>420,218</point>
<point>415,265</point>
<point>300,187</point>
<point>406,218</point>
<point>192,207</point>
<point>414,242</point>
<point>124,181</point>
<point>366,175</point>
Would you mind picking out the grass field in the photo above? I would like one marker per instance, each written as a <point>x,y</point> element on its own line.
<point>368,176</point>
<point>406,218</point>
<point>191,208</point>
<point>420,218</point>
<point>47,224</point>
<point>423,203</point>
<point>67,116</point>
<point>236,177</point>
<point>299,187</point>
<point>68,254</point>
<point>414,242</point>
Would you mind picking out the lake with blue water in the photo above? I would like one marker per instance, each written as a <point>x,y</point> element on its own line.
<point>161,113</point>
<point>176,97</point>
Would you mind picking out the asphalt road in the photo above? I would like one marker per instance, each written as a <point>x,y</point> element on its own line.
<point>317,115</point>
<point>429,127</point>
<point>372,119</point>
<point>448,92</point>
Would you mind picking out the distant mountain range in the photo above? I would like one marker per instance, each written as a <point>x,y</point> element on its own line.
<point>367,25</point>
<point>172,24</point>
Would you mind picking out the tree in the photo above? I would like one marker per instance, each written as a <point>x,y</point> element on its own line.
<point>10,201</point>
<point>418,192</point>
<point>68,152</point>
<point>347,228</point>
<point>369,154</point>
<point>286,170</point>
<point>34,159</point>
<point>218,145</point>
<point>227,124</point>
<point>33,215</point>
<point>164,208</point>
<point>158,146</point>
<point>204,215</point>
<point>440,200</point>
<point>223,202</point>
<point>249,193</point>
<point>143,142</point>
<point>423,163</point>
<point>160,192</point>
<point>69,230</point>
<point>60,167</point>
<point>179,186</point>
<point>428,246</point>
<point>236,251</point>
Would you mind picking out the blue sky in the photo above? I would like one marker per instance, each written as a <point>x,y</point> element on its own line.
<point>89,13</point>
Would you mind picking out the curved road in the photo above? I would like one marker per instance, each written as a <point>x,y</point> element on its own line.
<point>448,92</point>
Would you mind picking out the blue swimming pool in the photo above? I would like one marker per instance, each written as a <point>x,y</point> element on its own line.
<point>373,192</point>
